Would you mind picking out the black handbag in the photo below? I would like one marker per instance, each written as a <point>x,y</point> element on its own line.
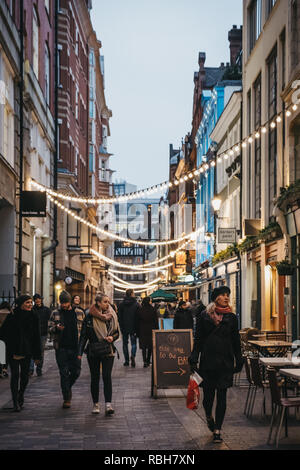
<point>100,349</point>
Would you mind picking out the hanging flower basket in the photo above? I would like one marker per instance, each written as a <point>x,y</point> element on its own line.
<point>284,268</point>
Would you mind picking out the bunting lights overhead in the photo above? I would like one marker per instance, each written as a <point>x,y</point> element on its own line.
<point>130,284</point>
<point>118,237</point>
<point>140,267</point>
<point>203,168</point>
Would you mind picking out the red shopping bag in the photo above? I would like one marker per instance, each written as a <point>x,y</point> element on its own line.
<point>193,393</point>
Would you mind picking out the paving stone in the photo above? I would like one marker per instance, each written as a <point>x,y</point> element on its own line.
<point>139,423</point>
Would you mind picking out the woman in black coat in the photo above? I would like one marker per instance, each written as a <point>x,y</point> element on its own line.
<point>21,334</point>
<point>146,322</point>
<point>217,339</point>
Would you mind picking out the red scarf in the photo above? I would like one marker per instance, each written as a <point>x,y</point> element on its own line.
<point>222,310</point>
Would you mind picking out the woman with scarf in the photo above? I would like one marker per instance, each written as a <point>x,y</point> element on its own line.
<point>21,334</point>
<point>217,339</point>
<point>100,326</point>
<point>146,322</point>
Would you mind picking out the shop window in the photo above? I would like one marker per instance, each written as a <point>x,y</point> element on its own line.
<point>73,230</point>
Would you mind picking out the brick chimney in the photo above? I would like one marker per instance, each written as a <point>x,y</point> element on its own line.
<point>235,38</point>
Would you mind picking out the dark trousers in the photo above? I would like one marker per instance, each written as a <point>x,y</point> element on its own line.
<point>19,376</point>
<point>69,368</point>
<point>208,401</point>
<point>146,355</point>
<point>107,365</point>
<point>126,337</point>
<point>40,364</point>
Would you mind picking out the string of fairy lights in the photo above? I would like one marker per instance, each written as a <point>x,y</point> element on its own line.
<point>190,175</point>
<point>120,284</point>
<point>119,237</point>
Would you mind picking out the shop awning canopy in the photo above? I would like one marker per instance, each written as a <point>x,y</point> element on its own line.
<point>163,295</point>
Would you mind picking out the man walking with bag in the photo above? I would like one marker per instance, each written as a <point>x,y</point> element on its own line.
<point>65,327</point>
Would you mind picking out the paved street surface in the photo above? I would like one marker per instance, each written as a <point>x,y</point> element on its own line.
<point>140,422</point>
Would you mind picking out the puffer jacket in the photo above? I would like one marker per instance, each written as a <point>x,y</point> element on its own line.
<point>127,315</point>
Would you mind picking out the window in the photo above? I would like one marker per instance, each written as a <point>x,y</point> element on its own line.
<point>47,74</point>
<point>272,109</point>
<point>257,148</point>
<point>73,230</point>
<point>283,58</point>
<point>35,43</point>
<point>254,15</point>
<point>270,5</point>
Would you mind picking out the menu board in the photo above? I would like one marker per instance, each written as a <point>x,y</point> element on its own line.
<point>170,366</point>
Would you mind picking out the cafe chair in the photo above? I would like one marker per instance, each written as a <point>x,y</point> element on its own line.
<point>280,406</point>
<point>250,387</point>
<point>257,383</point>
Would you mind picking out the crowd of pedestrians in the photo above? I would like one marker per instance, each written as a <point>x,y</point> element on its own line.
<point>216,353</point>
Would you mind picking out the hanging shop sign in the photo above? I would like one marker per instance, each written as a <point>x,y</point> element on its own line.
<point>33,204</point>
<point>180,259</point>
<point>226,235</point>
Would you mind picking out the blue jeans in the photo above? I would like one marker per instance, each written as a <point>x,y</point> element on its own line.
<point>126,337</point>
<point>69,368</point>
<point>40,365</point>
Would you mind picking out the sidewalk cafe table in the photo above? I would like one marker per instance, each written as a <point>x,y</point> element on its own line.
<point>271,348</point>
<point>279,362</point>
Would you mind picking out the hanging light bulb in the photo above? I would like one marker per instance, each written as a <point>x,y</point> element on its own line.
<point>288,113</point>
<point>278,119</point>
<point>250,140</point>
<point>244,145</point>
<point>264,130</point>
<point>273,125</point>
<point>295,107</point>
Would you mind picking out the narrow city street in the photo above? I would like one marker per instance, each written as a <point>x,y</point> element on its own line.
<point>140,422</point>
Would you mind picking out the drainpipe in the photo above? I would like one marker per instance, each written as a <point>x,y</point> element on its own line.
<point>21,108</point>
<point>52,248</point>
<point>241,212</point>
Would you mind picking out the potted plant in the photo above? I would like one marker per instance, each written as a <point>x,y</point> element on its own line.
<point>285,268</point>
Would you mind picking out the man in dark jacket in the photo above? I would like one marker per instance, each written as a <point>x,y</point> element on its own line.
<point>183,319</point>
<point>127,314</point>
<point>65,326</point>
<point>43,313</point>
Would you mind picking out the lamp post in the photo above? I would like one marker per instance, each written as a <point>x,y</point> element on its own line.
<point>216,203</point>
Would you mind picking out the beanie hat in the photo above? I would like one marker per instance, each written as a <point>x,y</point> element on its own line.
<point>21,299</point>
<point>219,291</point>
<point>64,297</point>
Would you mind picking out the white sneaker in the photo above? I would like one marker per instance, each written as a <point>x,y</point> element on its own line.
<point>109,409</point>
<point>96,408</point>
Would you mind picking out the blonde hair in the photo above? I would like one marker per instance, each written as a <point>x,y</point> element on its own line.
<point>210,308</point>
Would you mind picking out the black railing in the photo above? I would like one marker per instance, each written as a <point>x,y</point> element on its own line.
<point>8,296</point>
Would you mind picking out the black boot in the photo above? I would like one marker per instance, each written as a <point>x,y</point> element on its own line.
<point>21,399</point>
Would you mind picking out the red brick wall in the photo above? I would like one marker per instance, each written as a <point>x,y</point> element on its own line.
<point>73,72</point>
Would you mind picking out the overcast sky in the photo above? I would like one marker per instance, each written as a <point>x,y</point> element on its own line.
<point>150,49</point>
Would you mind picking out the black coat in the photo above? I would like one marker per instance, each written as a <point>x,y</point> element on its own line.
<point>146,322</point>
<point>127,314</point>
<point>89,336</point>
<point>21,334</point>
<point>183,319</point>
<point>43,313</point>
<point>220,350</point>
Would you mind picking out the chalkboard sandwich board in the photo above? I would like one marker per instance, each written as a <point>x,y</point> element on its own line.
<point>170,367</point>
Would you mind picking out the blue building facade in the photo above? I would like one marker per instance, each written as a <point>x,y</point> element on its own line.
<point>213,104</point>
